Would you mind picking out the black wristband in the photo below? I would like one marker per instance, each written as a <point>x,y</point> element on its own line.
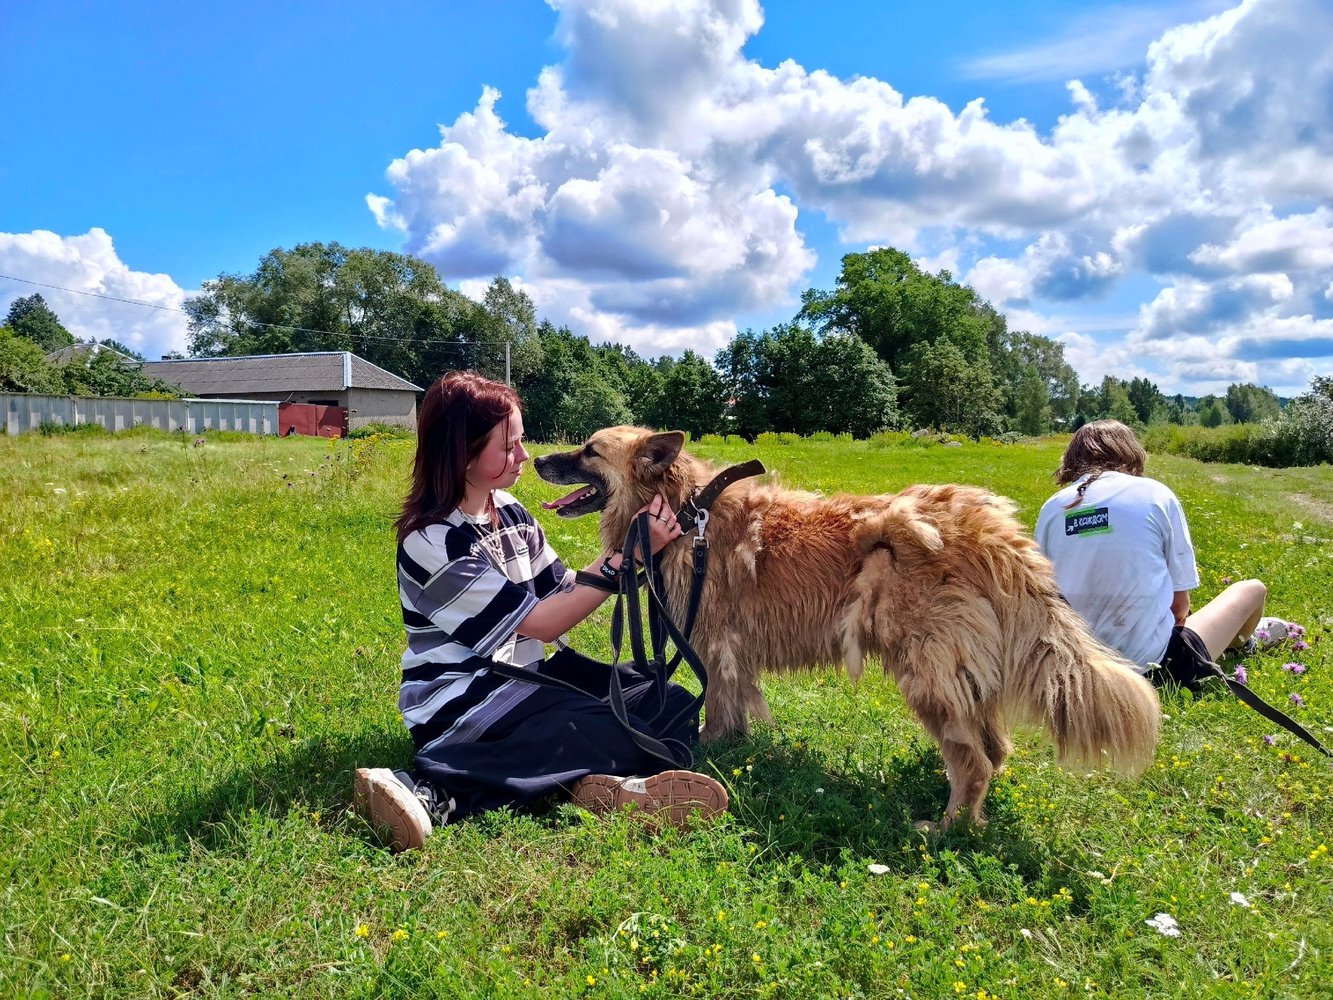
<point>609,571</point>
<point>595,582</point>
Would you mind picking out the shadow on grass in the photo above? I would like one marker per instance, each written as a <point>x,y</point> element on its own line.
<point>796,801</point>
<point>314,773</point>
<point>802,804</point>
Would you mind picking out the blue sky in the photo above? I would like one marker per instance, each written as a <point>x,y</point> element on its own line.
<point>663,173</point>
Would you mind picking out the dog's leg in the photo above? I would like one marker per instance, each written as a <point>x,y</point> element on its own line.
<point>733,695</point>
<point>970,773</point>
<point>998,745</point>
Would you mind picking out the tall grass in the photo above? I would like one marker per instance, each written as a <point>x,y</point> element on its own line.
<point>198,645</point>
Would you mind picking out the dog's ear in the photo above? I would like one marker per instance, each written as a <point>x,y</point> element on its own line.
<point>658,452</point>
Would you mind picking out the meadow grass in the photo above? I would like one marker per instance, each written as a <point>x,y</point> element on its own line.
<point>198,645</point>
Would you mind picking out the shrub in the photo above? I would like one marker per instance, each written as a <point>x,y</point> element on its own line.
<point>382,430</point>
<point>50,428</point>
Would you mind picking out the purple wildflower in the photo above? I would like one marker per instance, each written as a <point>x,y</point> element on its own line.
<point>1290,666</point>
<point>1262,633</point>
<point>1296,700</point>
<point>1295,631</point>
<point>1241,675</point>
<point>1226,580</point>
<point>1298,668</point>
<point>1269,740</point>
<point>1299,645</point>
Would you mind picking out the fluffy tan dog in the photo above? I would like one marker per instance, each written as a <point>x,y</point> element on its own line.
<point>940,582</point>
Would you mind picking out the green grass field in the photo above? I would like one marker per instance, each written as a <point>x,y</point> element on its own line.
<point>198,645</point>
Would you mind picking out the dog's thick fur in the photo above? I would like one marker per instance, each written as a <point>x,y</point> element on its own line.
<point>940,582</point>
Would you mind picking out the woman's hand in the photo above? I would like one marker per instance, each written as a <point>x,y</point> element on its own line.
<point>662,526</point>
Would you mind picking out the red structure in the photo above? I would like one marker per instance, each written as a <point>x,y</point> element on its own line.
<point>312,420</point>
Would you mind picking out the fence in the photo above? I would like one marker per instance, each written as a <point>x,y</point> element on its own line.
<point>28,411</point>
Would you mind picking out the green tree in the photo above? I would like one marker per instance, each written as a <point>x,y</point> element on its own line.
<point>692,397</point>
<point>1250,404</point>
<point>738,366</point>
<point>389,308</point>
<point>23,366</point>
<point>104,373</point>
<point>1014,358</point>
<point>948,392</point>
<point>1213,412</point>
<point>884,298</point>
<point>30,316</point>
<point>1146,399</point>
<point>859,391</point>
<point>590,405</point>
<point>1032,409</point>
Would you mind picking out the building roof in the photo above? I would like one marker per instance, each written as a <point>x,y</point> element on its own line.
<point>314,371</point>
<point>84,352</point>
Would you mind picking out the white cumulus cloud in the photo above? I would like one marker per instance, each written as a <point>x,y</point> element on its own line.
<point>89,264</point>
<point>664,193</point>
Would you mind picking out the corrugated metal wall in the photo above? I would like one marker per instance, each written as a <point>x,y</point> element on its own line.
<point>27,411</point>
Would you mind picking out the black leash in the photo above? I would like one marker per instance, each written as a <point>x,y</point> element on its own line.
<point>661,628</point>
<point>1199,666</point>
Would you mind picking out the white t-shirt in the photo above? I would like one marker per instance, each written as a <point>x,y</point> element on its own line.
<point>1119,557</point>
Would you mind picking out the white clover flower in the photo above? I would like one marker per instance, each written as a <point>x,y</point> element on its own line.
<point>1164,924</point>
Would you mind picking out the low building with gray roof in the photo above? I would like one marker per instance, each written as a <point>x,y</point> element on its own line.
<point>368,393</point>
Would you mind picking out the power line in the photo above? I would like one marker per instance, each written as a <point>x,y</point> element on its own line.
<point>274,326</point>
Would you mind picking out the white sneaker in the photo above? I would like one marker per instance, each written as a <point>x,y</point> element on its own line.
<point>391,808</point>
<point>1270,631</point>
<point>672,795</point>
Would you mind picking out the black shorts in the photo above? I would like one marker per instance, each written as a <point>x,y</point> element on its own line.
<point>1186,661</point>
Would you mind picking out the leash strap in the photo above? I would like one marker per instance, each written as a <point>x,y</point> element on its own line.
<point>688,515</point>
<point>1272,714</point>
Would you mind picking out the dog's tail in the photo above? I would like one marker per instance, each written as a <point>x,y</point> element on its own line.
<point>1098,708</point>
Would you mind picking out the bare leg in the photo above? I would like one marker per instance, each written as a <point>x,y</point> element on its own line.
<point>1230,617</point>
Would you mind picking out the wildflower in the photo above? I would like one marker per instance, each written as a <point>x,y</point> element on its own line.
<point>399,935</point>
<point>1295,631</point>
<point>878,869</point>
<point>755,957</point>
<point>1296,700</point>
<point>1238,899</point>
<point>1299,645</point>
<point>362,931</point>
<point>1269,740</point>
<point>1226,580</point>
<point>1242,677</point>
<point>1165,924</point>
<point>591,980</point>
<point>1298,668</point>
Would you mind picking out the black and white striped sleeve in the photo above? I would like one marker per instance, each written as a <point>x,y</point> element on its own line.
<point>460,592</point>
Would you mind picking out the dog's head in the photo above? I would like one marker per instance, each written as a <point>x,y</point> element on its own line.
<point>617,471</point>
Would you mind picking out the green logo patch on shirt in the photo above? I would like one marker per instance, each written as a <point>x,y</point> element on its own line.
<point>1088,521</point>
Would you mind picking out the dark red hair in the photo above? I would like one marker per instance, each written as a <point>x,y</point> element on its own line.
<point>456,417</point>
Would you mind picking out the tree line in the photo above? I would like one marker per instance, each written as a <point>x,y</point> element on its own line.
<point>32,330</point>
<point>891,346</point>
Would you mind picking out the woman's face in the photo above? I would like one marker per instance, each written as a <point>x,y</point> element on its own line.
<point>501,459</point>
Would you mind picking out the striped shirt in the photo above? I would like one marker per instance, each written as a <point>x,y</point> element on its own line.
<point>465,585</point>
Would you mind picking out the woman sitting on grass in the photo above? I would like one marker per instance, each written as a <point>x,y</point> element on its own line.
<point>481,589</point>
<point>1124,561</point>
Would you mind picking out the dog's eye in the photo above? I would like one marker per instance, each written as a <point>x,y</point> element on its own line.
<point>589,451</point>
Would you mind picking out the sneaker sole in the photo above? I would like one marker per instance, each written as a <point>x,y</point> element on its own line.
<point>391,809</point>
<point>673,796</point>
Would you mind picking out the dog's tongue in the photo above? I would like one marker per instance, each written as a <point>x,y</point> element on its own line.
<point>566,499</point>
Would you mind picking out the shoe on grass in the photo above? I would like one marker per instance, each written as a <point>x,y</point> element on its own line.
<point>1270,631</point>
<point>393,809</point>
<point>673,796</point>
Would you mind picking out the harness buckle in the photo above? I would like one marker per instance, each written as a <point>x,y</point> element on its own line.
<point>701,523</point>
